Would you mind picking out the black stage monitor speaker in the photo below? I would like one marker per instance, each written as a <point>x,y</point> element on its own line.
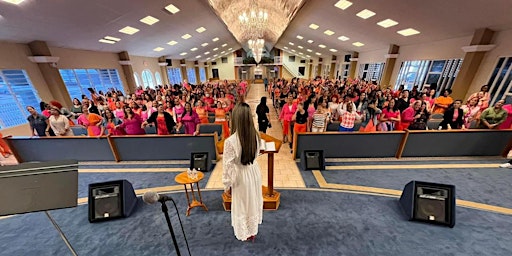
<point>199,161</point>
<point>312,160</point>
<point>111,200</point>
<point>429,202</point>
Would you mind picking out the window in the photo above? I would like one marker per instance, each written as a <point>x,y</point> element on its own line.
<point>500,83</point>
<point>291,58</point>
<point>439,74</point>
<point>174,75</point>
<point>137,79</point>
<point>202,74</point>
<point>224,59</point>
<point>147,79</point>
<point>302,70</point>
<point>191,74</point>
<point>158,78</point>
<point>16,93</point>
<point>371,71</point>
<point>77,81</point>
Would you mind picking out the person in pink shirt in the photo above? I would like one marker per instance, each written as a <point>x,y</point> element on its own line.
<point>409,115</point>
<point>286,116</point>
<point>132,123</point>
<point>390,117</point>
<point>508,122</point>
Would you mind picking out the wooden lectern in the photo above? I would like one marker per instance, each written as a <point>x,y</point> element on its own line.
<point>271,198</point>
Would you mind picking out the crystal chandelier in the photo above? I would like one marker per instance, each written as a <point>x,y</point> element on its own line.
<point>253,22</point>
<point>256,47</point>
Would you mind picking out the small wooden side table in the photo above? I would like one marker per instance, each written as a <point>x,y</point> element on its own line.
<point>183,178</point>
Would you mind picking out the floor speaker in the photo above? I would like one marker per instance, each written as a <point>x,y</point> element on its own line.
<point>429,202</point>
<point>111,200</point>
<point>312,160</point>
<point>199,161</point>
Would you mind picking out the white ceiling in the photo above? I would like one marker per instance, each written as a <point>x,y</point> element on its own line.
<point>79,24</point>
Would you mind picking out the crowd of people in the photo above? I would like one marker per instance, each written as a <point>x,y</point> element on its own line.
<point>353,104</point>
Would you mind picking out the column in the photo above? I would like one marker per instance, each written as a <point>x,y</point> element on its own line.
<point>162,62</point>
<point>310,70</point>
<point>353,65</point>
<point>475,52</point>
<point>126,64</point>
<point>319,69</point>
<point>332,72</point>
<point>280,71</point>
<point>389,66</point>
<point>183,67</point>
<point>206,73</point>
<point>48,66</point>
<point>198,75</point>
<point>236,73</point>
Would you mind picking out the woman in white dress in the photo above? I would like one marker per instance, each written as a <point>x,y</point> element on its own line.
<point>58,123</point>
<point>241,175</point>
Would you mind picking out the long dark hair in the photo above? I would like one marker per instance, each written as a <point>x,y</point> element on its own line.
<point>261,107</point>
<point>247,135</point>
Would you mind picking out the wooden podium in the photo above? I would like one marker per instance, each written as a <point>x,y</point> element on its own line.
<point>271,198</point>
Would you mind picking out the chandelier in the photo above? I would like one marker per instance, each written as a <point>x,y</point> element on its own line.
<point>256,46</point>
<point>253,22</point>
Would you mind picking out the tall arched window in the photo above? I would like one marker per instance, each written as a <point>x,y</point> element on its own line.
<point>147,79</point>
<point>158,78</point>
<point>137,79</point>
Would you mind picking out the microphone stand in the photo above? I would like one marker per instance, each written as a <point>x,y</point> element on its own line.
<point>166,213</point>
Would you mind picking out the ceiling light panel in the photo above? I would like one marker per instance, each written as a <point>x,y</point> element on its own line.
<point>309,50</point>
<point>313,26</point>
<point>321,46</point>
<point>343,38</point>
<point>318,53</point>
<point>112,38</point>
<point>215,39</point>
<point>198,56</point>
<point>129,30</point>
<point>186,36</point>
<point>149,20</point>
<point>172,9</point>
<point>343,4</point>
<point>286,47</point>
<point>224,45</point>
<point>310,41</point>
<point>387,23</point>
<point>206,53</point>
<point>290,43</point>
<point>105,41</point>
<point>16,2</point>
<point>408,32</point>
<point>172,42</point>
<point>358,44</point>
<point>158,49</point>
<point>365,14</point>
<point>300,37</point>
<point>204,44</point>
<point>193,49</point>
<point>300,47</point>
<point>333,50</point>
<point>329,32</point>
<point>214,49</point>
<point>200,30</point>
<point>183,53</point>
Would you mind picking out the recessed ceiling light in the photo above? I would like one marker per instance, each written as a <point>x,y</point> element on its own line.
<point>224,45</point>
<point>172,9</point>
<point>309,56</point>
<point>112,38</point>
<point>193,49</point>
<point>300,47</point>
<point>172,42</point>
<point>16,2</point>
<point>204,44</point>
<point>309,50</point>
<point>300,37</point>
<point>201,30</point>
<point>215,55</point>
<point>208,58</point>
<point>313,26</point>
<point>129,30</point>
<point>215,39</point>
<point>230,49</point>
<point>223,52</point>
<point>293,50</point>
<point>358,44</point>
<point>310,41</point>
<point>387,23</point>
<point>183,53</point>
<point>333,50</point>
<point>198,56</point>
<point>321,46</point>
<point>158,49</point>
<point>214,49</point>
<point>301,53</point>
<point>105,41</point>
<point>408,32</point>
<point>329,32</point>
<point>186,36</point>
<point>290,43</point>
<point>150,20</point>
<point>343,4</point>
<point>343,38</point>
<point>365,14</point>
<point>286,47</point>
<point>206,53</point>
<point>317,53</point>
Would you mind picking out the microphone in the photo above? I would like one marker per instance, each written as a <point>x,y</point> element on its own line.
<point>151,197</point>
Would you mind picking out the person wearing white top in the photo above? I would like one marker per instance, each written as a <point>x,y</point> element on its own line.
<point>58,123</point>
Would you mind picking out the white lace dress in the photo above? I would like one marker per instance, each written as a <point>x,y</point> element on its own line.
<point>246,195</point>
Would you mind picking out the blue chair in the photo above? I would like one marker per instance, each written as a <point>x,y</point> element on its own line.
<point>150,129</point>
<point>79,130</point>
<point>211,128</point>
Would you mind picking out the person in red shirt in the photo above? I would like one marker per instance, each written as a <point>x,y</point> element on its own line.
<point>286,116</point>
